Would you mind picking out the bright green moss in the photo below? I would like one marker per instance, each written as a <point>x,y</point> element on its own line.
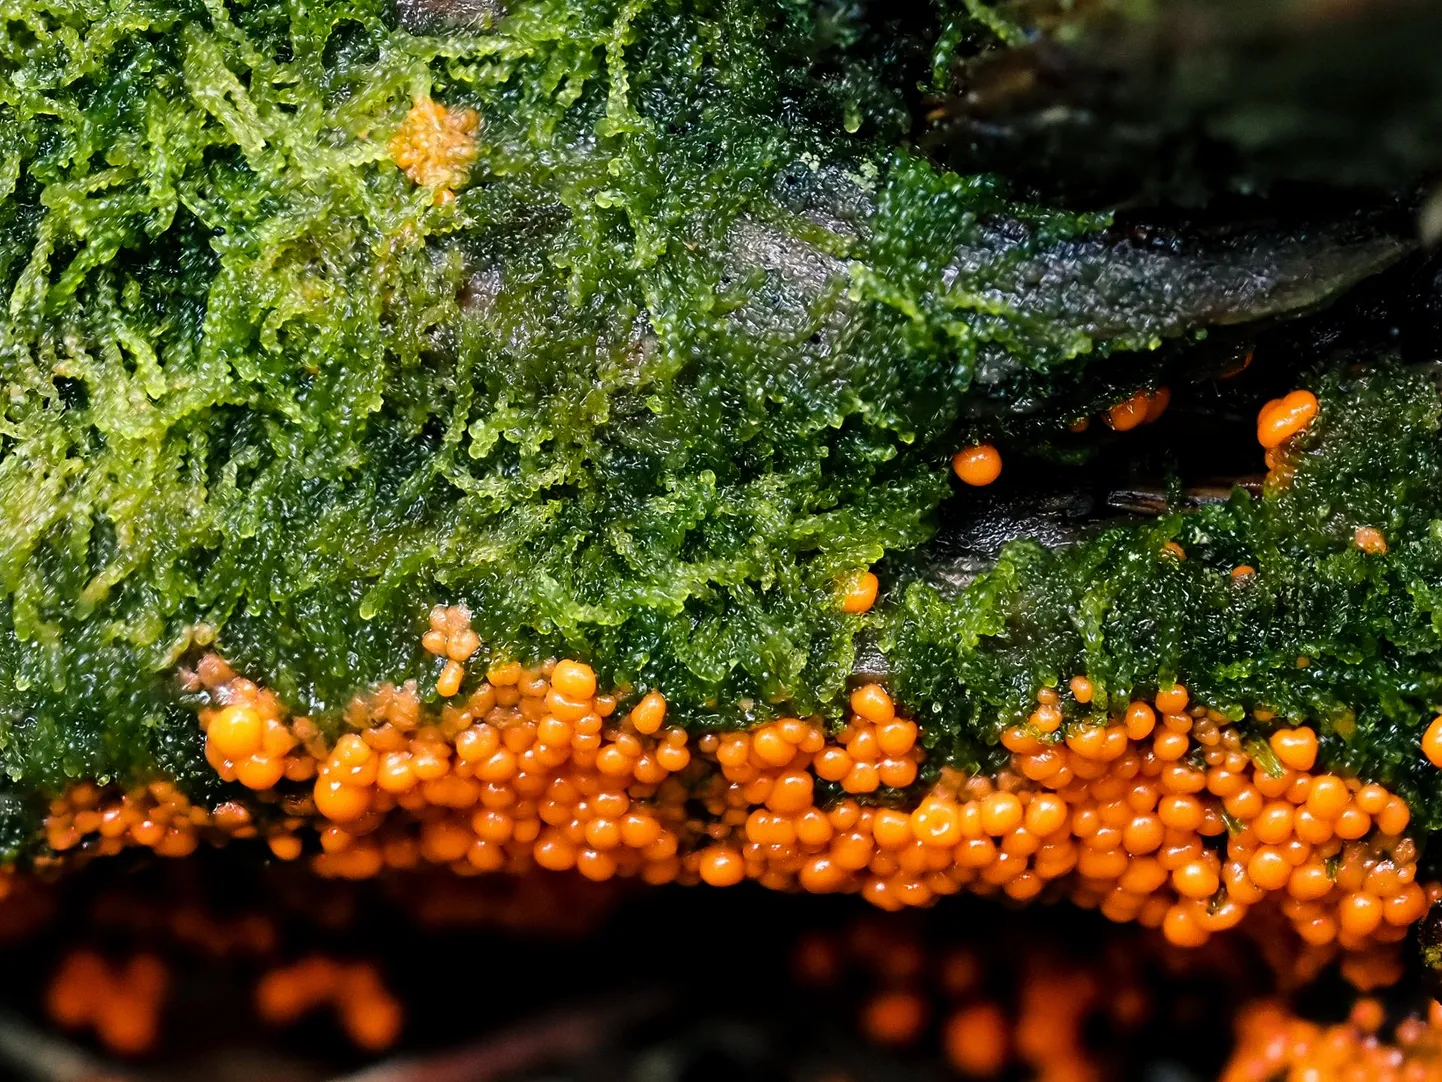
<point>264,387</point>
<point>686,350</point>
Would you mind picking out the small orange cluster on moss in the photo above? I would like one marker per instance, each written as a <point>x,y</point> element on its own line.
<point>157,816</point>
<point>1273,1043</point>
<point>1432,741</point>
<point>876,748</point>
<point>1277,422</point>
<point>1143,408</point>
<point>369,1014</point>
<point>246,739</point>
<point>121,1003</point>
<point>436,146</point>
<point>1282,418</point>
<point>1370,540</point>
<point>451,637</point>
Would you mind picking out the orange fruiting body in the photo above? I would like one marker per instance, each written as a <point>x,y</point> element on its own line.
<point>1141,409</point>
<point>1370,540</point>
<point>1295,748</point>
<point>860,594</point>
<point>1432,741</point>
<point>978,465</point>
<point>1282,418</point>
<point>435,146</point>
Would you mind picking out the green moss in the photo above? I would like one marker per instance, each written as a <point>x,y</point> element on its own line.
<point>265,387</point>
<point>1322,634</point>
<point>687,349</point>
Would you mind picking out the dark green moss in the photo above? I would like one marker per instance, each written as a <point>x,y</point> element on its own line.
<point>1322,634</point>
<point>263,386</point>
<point>688,350</point>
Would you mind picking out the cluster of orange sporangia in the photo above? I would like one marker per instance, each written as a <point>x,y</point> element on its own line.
<point>1025,1001</point>
<point>436,146</point>
<point>1162,814</point>
<point>1273,1043</point>
<point>370,1015</point>
<point>1175,821</point>
<point>1278,422</point>
<point>121,1003</point>
<point>1142,408</point>
<point>92,821</point>
<point>1043,1031</point>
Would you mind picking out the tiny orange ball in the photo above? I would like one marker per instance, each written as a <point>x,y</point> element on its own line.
<point>860,595</point>
<point>1432,741</point>
<point>722,866</point>
<point>649,714</point>
<point>260,772</point>
<point>1296,748</point>
<point>236,732</point>
<point>285,846</point>
<point>1125,416</point>
<point>1282,418</point>
<point>978,466</point>
<point>1001,813</point>
<point>1195,879</point>
<point>1173,700</point>
<point>340,802</point>
<point>936,823</point>
<point>1370,540</point>
<point>574,680</point>
<point>873,703</point>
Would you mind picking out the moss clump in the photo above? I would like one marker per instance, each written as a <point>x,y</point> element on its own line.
<point>1323,633</point>
<point>266,388</point>
<point>690,346</point>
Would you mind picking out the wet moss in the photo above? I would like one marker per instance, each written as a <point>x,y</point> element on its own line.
<point>1323,633</point>
<point>688,349</point>
<point>265,388</point>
